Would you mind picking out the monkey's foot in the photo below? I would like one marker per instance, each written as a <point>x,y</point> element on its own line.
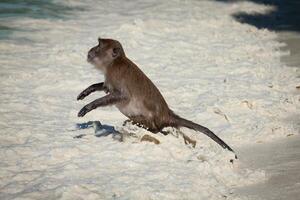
<point>126,122</point>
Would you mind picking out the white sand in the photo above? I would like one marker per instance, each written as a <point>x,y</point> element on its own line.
<point>205,63</point>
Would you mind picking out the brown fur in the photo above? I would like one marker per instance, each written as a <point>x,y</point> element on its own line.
<point>125,76</point>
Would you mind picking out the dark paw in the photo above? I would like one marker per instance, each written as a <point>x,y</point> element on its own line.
<point>81,96</point>
<point>82,112</point>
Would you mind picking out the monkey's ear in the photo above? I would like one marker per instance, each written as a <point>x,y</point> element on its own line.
<point>116,52</point>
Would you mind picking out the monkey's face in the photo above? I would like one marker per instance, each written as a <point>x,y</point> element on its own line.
<point>104,53</point>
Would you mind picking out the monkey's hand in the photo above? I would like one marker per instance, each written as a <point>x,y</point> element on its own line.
<point>83,111</point>
<point>83,94</point>
<point>91,89</point>
<point>107,100</point>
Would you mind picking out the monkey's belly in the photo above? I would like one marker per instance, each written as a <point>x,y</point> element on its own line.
<point>134,109</point>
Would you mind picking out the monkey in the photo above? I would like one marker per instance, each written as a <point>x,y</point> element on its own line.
<point>133,93</point>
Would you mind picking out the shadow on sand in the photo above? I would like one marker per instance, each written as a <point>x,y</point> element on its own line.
<point>285,16</point>
<point>101,130</point>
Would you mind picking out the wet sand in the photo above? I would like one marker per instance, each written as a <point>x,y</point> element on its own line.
<point>280,159</point>
<point>281,162</point>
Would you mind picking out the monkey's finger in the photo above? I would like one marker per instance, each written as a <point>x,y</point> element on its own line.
<point>82,112</point>
<point>81,96</point>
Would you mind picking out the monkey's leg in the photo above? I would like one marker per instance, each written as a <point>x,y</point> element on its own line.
<point>109,99</point>
<point>91,89</point>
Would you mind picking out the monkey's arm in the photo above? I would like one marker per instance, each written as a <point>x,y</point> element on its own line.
<point>109,99</point>
<point>91,89</point>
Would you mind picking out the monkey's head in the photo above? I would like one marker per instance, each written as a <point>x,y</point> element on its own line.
<point>104,54</point>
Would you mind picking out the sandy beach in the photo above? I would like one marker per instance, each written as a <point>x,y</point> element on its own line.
<point>211,67</point>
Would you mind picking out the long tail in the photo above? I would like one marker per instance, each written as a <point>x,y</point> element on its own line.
<point>181,122</point>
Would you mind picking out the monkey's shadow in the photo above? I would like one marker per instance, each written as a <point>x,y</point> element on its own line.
<point>101,130</point>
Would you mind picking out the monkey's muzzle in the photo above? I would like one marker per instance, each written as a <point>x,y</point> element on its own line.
<point>90,57</point>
